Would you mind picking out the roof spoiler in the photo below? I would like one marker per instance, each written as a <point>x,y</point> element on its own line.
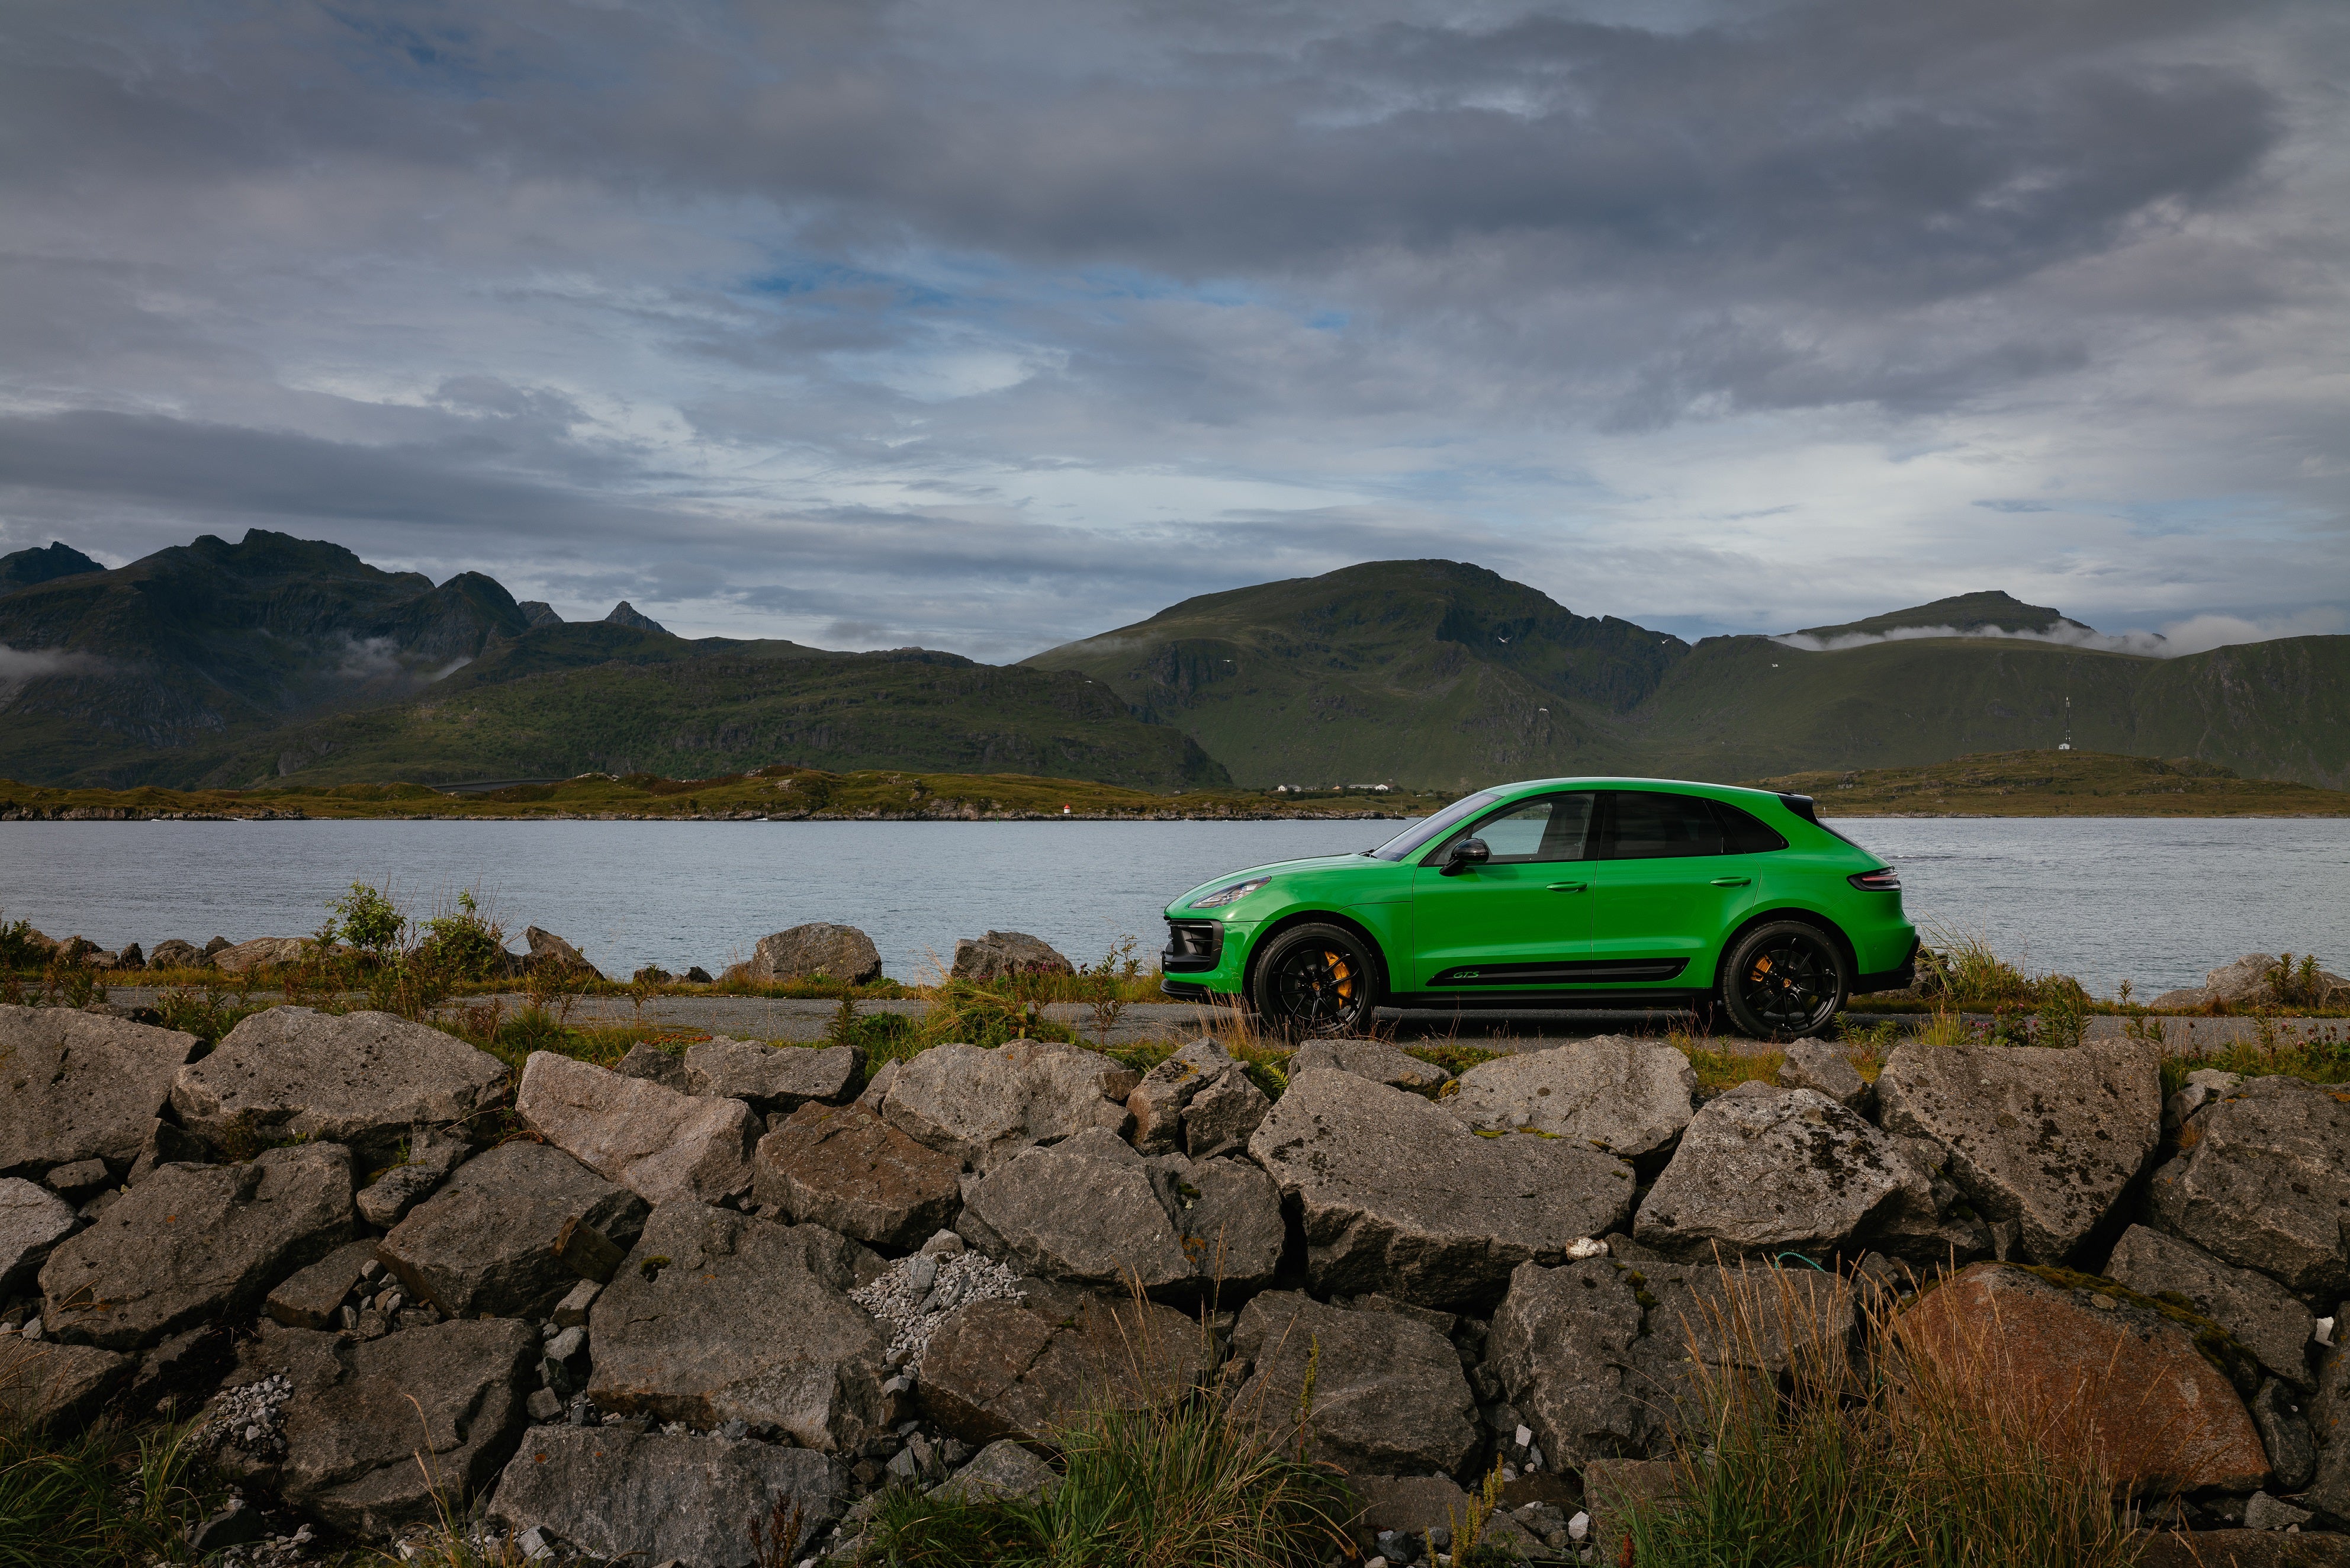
<point>1800,805</point>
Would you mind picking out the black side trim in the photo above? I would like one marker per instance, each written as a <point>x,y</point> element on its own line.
<point>1569,971</point>
<point>1550,1001</point>
<point>1183,991</point>
<point>1192,947</point>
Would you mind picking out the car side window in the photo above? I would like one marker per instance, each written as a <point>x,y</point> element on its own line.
<point>1650,825</point>
<point>1548,827</point>
<point>1742,835</point>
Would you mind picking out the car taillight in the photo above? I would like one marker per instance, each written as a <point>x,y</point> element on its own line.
<point>1887,881</point>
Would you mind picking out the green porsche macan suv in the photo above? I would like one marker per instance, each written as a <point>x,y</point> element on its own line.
<point>1620,893</point>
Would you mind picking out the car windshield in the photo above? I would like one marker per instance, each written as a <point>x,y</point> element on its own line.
<point>1430,827</point>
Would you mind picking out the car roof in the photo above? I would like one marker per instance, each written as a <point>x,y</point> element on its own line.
<point>1535,786</point>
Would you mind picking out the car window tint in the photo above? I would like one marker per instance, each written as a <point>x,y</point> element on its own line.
<point>1742,835</point>
<point>1548,827</point>
<point>1648,825</point>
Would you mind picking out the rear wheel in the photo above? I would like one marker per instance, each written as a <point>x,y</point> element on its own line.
<point>1316,979</point>
<point>1784,980</point>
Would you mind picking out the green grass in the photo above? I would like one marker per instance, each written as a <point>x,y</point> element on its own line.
<point>108,1495</point>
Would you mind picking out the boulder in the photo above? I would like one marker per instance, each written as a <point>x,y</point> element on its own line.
<point>2204,1087</point>
<point>1764,1170</point>
<point>1003,1470</point>
<point>167,1142</point>
<point>984,1106</point>
<point>78,1181</point>
<point>2329,1424</point>
<point>655,1065</point>
<point>434,1409</point>
<point>43,1381</point>
<point>1001,954</point>
<point>650,1498</point>
<point>2284,1432</point>
<point>2091,1369</point>
<point>431,1156</point>
<point>816,952</point>
<point>1223,1114</point>
<point>1562,1346</point>
<point>664,1145</point>
<point>1158,1102</point>
<point>263,952</point>
<point>2044,1139</point>
<point>31,1220</point>
<point>2264,1315</point>
<point>313,1297</point>
<point>718,1317</point>
<point>999,1368</point>
<point>1397,1196</point>
<point>1945,1230</point>
<point>1817,1064</point>
<point>80,1086</point>
<point>1172,1228</point>
<point>491,1241</point>
<point>2266,1184</point>
<point>194,1242</point>
<point>2239,1549</point>
<point>365,1079</point>
<point>846,1168</point>
<point>771,1077</point>
<point>1373,1059</point>
<point>548,951</point>
<point>1389,1393</point>
<point>1623,1096</point>
<point>174,954</point>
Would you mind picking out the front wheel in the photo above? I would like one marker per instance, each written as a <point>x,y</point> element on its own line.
<point>1783,981</point>
<point>1316,979</point>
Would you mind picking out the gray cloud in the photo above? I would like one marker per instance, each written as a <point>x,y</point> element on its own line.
<point>985,328</point>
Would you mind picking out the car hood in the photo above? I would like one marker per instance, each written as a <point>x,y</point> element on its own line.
<point>1324,863</point>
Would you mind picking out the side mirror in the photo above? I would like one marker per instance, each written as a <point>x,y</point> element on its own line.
<point>1466,853</point>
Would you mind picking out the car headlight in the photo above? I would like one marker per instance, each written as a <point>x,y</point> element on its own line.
<point>1231,895</point>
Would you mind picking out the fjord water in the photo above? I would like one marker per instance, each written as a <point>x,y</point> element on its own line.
<point>2158,901</point>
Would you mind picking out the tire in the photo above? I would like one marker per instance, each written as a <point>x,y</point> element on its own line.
<point>1785,981</point>
<point>1316,979</point>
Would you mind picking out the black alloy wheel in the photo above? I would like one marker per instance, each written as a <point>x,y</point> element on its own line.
<point>1317,981</point>
<point>1783,981</point>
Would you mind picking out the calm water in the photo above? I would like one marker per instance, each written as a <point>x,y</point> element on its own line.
<point>2156,901</point>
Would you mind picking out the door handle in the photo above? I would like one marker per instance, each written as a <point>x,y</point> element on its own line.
<point>1732,881</point>
<point>1565,888</point>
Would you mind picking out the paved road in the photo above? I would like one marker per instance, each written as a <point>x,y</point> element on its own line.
<point>791,1019</point>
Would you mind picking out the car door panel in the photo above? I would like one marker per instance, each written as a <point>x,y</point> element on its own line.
<point>1665,891</point>
<point>1524,917</point>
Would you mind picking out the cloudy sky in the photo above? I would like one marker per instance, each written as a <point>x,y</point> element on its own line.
<point>986,326</point>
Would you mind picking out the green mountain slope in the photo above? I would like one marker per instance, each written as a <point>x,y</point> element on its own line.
<point>685,709</point>
<point>26,568</point>
<point>1423,673</point>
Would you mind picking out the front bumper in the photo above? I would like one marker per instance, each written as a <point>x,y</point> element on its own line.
<point>1203,956</point>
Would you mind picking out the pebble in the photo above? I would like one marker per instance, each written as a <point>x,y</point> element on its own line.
<point>915,1296</point>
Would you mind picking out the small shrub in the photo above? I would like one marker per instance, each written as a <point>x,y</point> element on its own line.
<point>464,943</point>
<point>18,950</point>
<point>207,1014</point>
<point>1103,986</point>
<point>367,920</point>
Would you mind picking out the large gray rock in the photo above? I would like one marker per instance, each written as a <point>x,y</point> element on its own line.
<point>2329,1422</point>
<point>1158,1101</point>
<point>2267,1184</point>
<point>1169,1227</point>
<point>1003,1470</point>
<point>998,955</point>
<point>984,1106</point>
<point>771,1077</point>
<point>1765,1170</point>
<point>1224,1115</point>
<point>666,1147</point>
<point>490,1240</point>
<point>193,1243</point>
<point>365,1079</point>
<point>80,1086</point>
<point>1018,1369</point>
<point>717,1317</point>
<point>1623,1096</point>
<point>1817,1064</point>
<point>1373,1059</point>
<point>1562,1345</point>
<point>810,951</point>
<point>2045,1138</point>
<point>1398,1197</point>
<point>428,1409</point>
<point>262,952</point>
<point>31,1220</point>
<point>655,1499</point>
<point>1388,1394</point>
<point>548,951</point>
<point>2263,1315</point>
<point>847,1169</point>
<point>43,1381</point>
<point>312,1297</point>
